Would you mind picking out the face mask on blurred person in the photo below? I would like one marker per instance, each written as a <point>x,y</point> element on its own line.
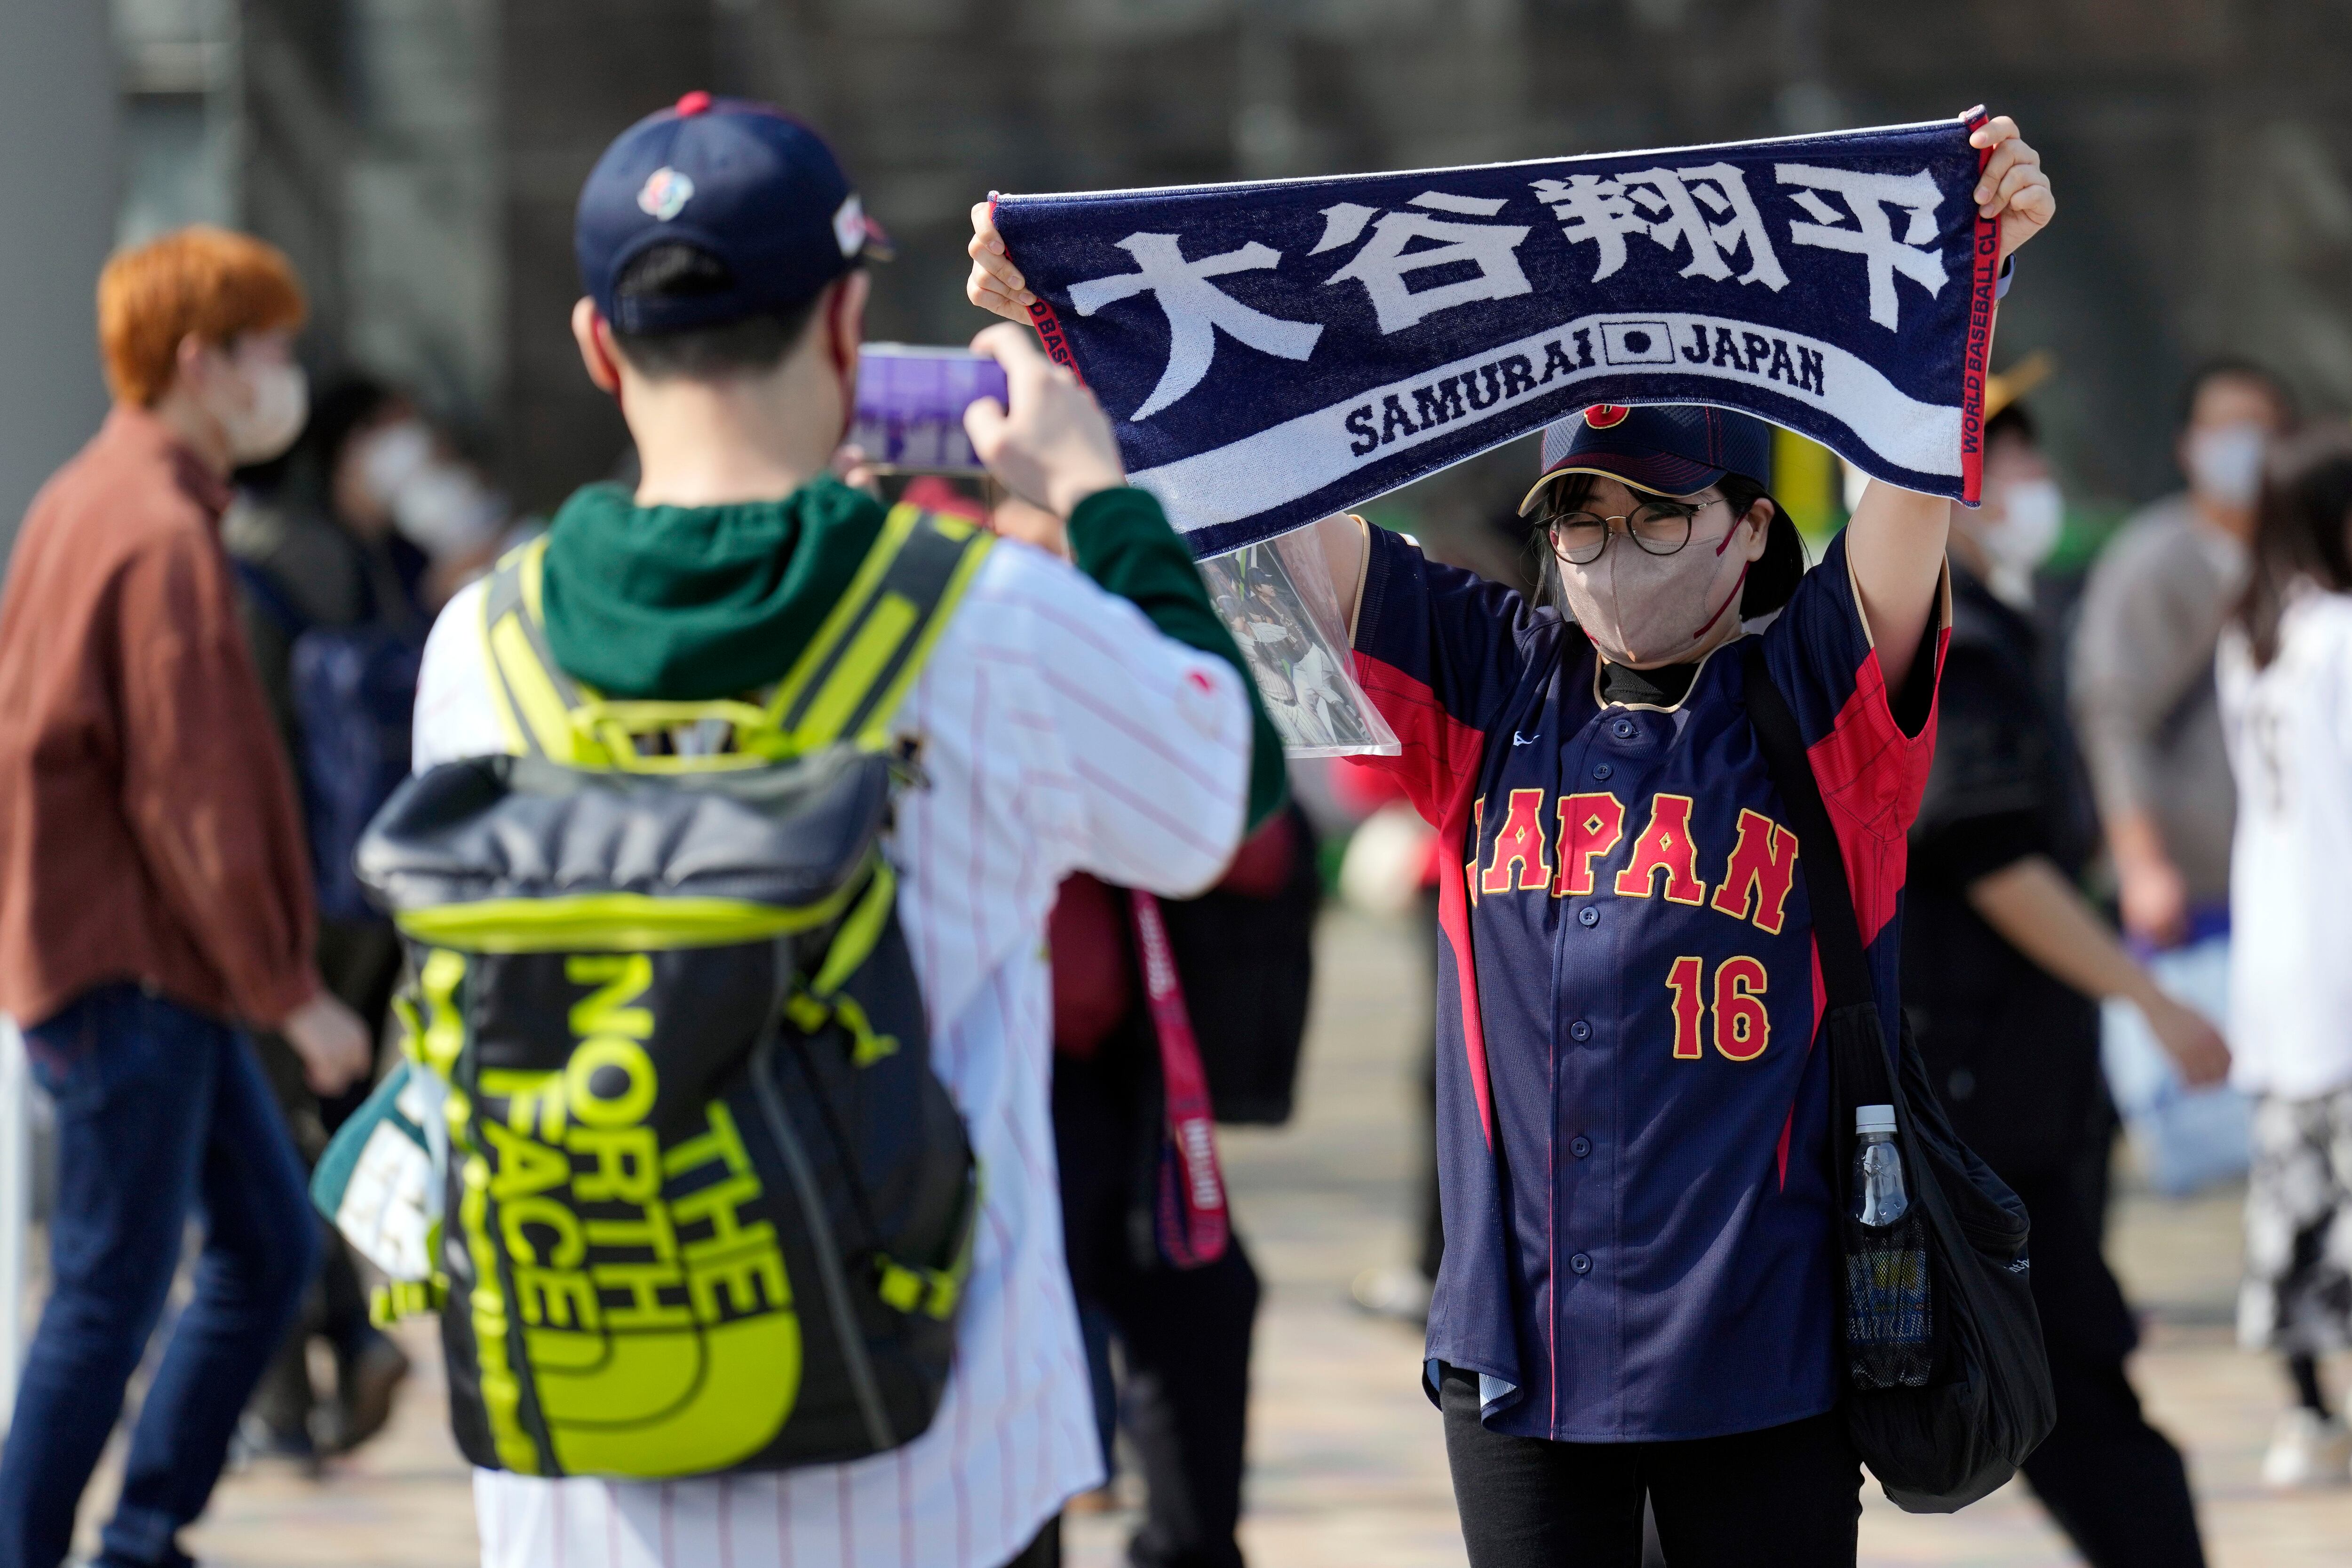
<point>392,457</point>
<point>445,511</point>
<point>263,422</point>
<point>2033,513</point>
<point>1645,609</point>
<point>2225,463</point>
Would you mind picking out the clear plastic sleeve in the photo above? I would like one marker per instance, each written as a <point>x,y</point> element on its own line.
<point>1277,600</point>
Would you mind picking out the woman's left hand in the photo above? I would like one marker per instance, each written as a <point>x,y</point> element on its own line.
<point>2012,187</point>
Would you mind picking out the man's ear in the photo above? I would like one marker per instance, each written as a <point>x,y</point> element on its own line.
<point>846,314</point>
<point>191,362</point>
<point>595,336</point>
<point>1758,523</point>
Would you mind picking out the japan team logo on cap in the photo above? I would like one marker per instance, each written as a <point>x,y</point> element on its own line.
<point>664,194</point>
<point>1602,415</point>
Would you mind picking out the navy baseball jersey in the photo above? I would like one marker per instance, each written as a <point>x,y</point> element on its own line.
<point>1632,1121</point>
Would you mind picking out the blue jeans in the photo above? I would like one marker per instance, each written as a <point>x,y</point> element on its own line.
<point>158,1109</point>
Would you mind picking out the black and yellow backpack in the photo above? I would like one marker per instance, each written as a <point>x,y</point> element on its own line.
<point>703,1204</point>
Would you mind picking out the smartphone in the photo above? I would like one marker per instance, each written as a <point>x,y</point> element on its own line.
<point>911,403</point>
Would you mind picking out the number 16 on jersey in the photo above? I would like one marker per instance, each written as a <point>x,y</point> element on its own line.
<point>1742,1026</point>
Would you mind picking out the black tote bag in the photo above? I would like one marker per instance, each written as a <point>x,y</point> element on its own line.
<point>1986,1402</point>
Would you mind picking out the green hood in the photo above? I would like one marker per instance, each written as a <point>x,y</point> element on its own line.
<point>685,604</point>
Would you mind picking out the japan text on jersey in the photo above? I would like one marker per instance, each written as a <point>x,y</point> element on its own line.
<point>1271,353</point>
<point>1632,1123</point>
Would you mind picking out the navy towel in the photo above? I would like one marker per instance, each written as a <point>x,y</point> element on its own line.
<point>1273,351</point>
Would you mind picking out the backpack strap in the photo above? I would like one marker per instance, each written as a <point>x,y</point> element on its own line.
<point>912,1287</point>
<point>1864,1076</point>
<point>1837,933</point>
<point>848,680</point>
<point>535,699</point>
<point>844,686</point>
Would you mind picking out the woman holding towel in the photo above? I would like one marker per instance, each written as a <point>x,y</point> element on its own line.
<point>1637,1295</point>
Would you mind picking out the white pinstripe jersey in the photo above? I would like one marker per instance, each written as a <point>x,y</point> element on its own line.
<point>1060,731</point>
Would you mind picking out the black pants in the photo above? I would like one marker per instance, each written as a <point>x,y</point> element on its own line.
<point>2114,1483</point>
<point>1185,1332</point>
<point>1784,1496</point>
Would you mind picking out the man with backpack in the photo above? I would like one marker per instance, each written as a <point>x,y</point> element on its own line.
<point>743,607</point>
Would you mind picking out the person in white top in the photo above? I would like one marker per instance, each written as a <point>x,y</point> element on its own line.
<point>2284,672</point>
<point>1057,728</point>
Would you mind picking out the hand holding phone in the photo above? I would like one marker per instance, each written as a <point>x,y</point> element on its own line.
<point>1050,444</point>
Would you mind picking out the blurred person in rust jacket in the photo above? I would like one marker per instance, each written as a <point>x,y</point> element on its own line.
<point>155,896</point>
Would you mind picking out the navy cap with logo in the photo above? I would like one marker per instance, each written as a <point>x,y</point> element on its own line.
<point>756,190</point>
<point>1673,450</point>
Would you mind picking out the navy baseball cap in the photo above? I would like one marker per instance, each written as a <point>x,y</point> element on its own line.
<point>1673,450</point>
<point>757,190</point>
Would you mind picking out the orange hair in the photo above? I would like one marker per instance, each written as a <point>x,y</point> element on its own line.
<point>198,280</point>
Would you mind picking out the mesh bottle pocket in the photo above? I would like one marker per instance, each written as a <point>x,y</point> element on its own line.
<point>1889,1311</point>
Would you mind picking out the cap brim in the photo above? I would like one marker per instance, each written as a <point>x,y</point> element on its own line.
<point>1656,473</point>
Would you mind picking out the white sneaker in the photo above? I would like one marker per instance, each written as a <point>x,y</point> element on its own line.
<point>2307,1451</point>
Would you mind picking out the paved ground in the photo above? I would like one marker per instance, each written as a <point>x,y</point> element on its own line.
<point>1348,1469</point>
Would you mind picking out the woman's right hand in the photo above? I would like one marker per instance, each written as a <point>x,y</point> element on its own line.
<point>995,284</point>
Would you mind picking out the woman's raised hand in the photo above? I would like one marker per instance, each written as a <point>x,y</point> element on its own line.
<point>996,284</point>
<point>2011,187</point>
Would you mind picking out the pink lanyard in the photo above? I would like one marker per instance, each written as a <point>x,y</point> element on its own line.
<point>1190,1212</point>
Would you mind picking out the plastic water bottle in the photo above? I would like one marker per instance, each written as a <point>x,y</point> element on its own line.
<point>1878,1197</point>
<point>1889,1318</point>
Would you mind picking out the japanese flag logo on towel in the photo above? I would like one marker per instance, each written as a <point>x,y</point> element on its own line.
<point>1273,351</point>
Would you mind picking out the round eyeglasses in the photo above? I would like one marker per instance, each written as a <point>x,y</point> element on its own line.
<point>1657,527</point>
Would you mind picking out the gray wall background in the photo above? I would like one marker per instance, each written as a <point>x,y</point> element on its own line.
<point>58,190</point>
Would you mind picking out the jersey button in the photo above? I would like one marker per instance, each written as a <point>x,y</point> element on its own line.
<point>1622,729</point>
<point>1588,916</point>
<point>1580,1263</point>
<point>1602,771</point>
<point>1579,1030</point>
<point>1579,1147</point>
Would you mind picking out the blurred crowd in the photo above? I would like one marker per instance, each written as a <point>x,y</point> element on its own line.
<point>343,550</point>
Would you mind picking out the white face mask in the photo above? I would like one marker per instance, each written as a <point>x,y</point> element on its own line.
<point>445,510</point>
<point>263,423</point>
<point>1645,609</point>
<point>2033,513</point>
<point>439,507</point>
<point>392,455</point>
<point>2225,463</point>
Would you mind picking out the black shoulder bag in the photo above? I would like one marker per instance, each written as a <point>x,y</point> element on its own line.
<point>1942,1428</point>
